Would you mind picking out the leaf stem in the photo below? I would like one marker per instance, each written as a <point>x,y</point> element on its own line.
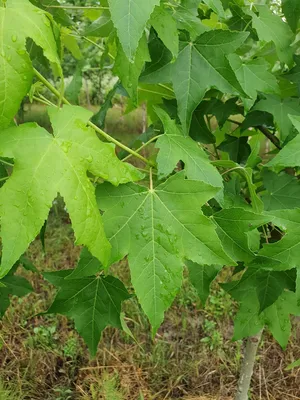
<point>95,127</point>
<point>6,163</point>
<point>80,8</point>
<point>142,147</point>
<point>41,100</point>
<point>151,180</point>
<point>4,179</point>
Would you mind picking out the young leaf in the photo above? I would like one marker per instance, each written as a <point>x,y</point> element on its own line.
<point>254,76</point>
<point>51,165</point>
<point>19,19</point>
<point>216,6</point>
<point>175,147</point>
<point>289,156</point>
<point>157,228</point>
<point>270,27</point>
<point>280,110</point>
<point>102,27</point>
<point>283,191</point>
<point>201,277</point>
<point>233,224</point>
<point>166,28</point>
<point>94,303</point>
<point>130,18</point>
<point>201,65</point>
<point>128,71</point>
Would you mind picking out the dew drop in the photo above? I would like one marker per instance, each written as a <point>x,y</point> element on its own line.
<point>89,159</point>
<point>8,58</point>
<point>25,77</point>
<point>14,38</point>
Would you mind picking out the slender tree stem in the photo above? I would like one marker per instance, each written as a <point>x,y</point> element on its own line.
<point>264,131</point>
<point>95,127</point>
<point>142,147</point>
<point>248,367</point>
<point>41,101</point>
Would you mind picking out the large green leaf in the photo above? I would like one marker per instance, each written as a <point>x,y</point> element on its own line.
<point>92,302</point>
<point>175,147</point>
<point>19,19</point>
<point>130,18</point>
<point>280,109</point>
<point>271,27</point>
<point>158,228</point>
<point>283,191</point>
<point>216,6</point>
<point>51,165</point>
<point>233,226</point>
<point>201,65</point>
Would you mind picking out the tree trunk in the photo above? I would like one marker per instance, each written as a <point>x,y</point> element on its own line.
<point>247,367</point>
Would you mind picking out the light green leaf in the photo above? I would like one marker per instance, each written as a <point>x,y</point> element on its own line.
<point>280,110</point>
<point>93,303</point>
<point>233,224</point>
<point>19,19</point>
<point>101,27</point>
<point>216,6</point>
<point>129,72</point>
<point>158,228</point>
<point>283,191</point>
<point>201,277</point>
<point>73,89</point>
<point>291,10</point>
<point>271,27</point>
<point>166,28</point>
<point>175,147</point>
<point>52,165</point>
<point>130,18</point>
<point>201,65</point>
<point>254,76</point>
<point>289,156</point>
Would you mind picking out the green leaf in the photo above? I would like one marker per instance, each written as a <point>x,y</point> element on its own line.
<point>201,65</point>
<point>233,224</point>
<point>93,303</point>
<point>73,90</point>
<point>270,285</point>
<point>187,18</point>
<point>280,109</point>
<point>254,76</point>
<point>158,228</point>
<point>159,69</point>
<point>59,14</point>
<point>216,6</point>
<point>19,19</point>
<point>88,265</point>
<point>237,148</point>
<point>12,285</point>
<point>201,277</point>
<point>99,118</point>
<point>175,147</point>
<point>291,10</point>
<point>70,42</point>
<point>102,27</point>
<point>51,165</point>
<point>3,174</point>
<point>270,27</point>
<point>289,156</point>
<point>293,365</point>
<point>166,28</point>
<point>130,18</point>
<point>128,71</point>
<point>283,191</point>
